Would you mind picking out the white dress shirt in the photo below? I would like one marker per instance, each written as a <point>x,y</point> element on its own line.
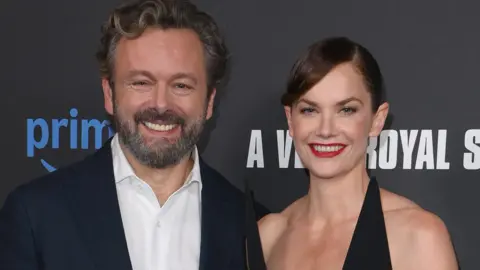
<point>159,237</point>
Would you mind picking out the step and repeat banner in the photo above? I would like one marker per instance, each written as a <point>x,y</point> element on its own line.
<point>52,104</point>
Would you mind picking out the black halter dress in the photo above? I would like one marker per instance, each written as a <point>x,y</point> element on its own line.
<point>369,246</point>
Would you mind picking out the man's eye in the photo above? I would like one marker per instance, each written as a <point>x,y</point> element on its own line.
<point>140,83</point>
<point>183,86</point>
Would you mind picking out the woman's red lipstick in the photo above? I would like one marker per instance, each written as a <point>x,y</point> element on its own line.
<point>327,150</point>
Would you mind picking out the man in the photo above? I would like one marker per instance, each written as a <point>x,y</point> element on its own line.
<point>145,200</point>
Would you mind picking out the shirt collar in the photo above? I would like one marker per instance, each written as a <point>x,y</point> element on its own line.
<point>123,170</point>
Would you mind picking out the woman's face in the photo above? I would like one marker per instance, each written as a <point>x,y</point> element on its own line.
<point>330,124</point>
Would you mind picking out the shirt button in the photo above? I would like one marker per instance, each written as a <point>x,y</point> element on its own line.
<point>159,224</point>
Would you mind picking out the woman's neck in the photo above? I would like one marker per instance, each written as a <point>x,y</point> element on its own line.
<point>337,199</point>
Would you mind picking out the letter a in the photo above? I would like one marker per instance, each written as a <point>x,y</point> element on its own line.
<point>255,151</point>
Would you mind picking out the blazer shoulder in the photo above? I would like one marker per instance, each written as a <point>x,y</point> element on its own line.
<point>230,191</point>
<point>97,163</point>
<point>50,185</point>
<point>220,184</point>
<point>223,183</point>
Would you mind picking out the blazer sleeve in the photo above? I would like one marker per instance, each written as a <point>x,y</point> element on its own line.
<point>17,247</point>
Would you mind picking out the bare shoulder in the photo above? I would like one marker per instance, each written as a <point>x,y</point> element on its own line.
<point>420,238</point>
<point>272,226</point>
<point>405,215</point>
<point>392,201</point>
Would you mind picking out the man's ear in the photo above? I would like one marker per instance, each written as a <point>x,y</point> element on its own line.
<point>107,96</point>
<point>211,101</point>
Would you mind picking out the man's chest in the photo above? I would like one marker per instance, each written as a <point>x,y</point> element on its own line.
<point>162,236</point>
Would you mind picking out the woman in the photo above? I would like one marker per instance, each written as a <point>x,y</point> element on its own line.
<point>334,102</point>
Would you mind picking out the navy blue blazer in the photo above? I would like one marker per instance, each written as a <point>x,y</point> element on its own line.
<point>70,220</point>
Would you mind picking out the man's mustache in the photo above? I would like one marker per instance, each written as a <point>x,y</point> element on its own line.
<point>153,115</point>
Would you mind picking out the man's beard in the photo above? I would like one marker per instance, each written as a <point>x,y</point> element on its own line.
<point>160,153</point>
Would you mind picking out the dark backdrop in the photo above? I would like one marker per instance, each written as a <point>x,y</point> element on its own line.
<point>428,51</point>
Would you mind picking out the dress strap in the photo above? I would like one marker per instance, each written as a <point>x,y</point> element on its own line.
<point>369,246</point>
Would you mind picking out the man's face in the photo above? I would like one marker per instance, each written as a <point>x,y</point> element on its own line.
<point>159,100</point>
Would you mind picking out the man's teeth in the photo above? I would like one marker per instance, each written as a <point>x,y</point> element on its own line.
<point>321,148</point>
<point>158,127</point>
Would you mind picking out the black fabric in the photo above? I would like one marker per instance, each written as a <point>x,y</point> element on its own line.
<point>70,219</point>
<point>254,253</point>
<point>369,246</point>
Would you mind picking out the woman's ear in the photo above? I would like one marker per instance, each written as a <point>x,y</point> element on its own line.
<point>379,120</point>
<point>288,114</point>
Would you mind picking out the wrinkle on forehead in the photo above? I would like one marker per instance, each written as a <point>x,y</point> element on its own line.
<point>165,52</point>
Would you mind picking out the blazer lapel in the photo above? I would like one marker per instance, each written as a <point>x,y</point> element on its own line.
<point>254,252</point>
<point>221,224</point>
<point>94,204</point>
